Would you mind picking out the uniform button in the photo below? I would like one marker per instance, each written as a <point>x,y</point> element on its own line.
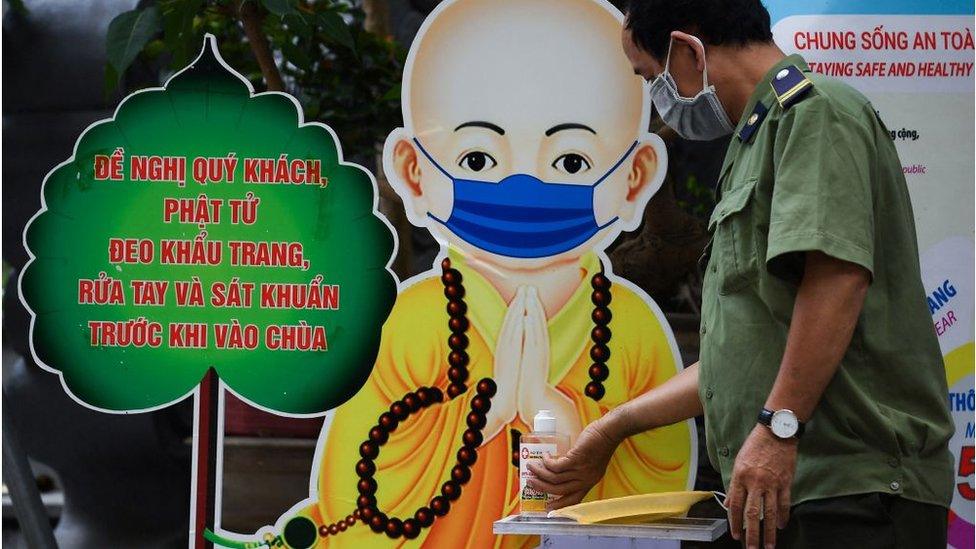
<point>782,74</point>
<point>703,329</point>
<point>714,268</point>
<point>724,451</point>
<point>893,462</point>
<point>752,119</point>
<point>895,485</point>
<point>708,393</point>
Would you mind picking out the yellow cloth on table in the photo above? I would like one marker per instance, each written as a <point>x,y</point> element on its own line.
<point>419,455</point>
<point>633,509</point>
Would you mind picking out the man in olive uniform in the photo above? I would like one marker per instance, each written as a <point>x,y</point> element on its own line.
<point>820,377</point>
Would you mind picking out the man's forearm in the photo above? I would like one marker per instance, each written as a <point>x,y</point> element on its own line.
<point>828,304</point>
<point>673,401</point>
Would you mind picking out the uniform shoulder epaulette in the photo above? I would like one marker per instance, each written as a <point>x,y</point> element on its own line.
<point>790,85</point>
<point>753,122</point>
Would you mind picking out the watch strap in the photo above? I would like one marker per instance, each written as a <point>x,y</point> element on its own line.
<point>766,418</point>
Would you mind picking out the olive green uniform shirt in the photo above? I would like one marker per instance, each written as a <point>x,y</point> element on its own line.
<point>821,173</point>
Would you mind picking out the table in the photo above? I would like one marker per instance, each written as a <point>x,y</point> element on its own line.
<point>563,532</point>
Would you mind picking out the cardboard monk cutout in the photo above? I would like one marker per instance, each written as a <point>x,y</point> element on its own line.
<point>525,153</point>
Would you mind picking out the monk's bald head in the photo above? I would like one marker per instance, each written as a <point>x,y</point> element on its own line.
<point>494,88</point>
<point>523,67</point>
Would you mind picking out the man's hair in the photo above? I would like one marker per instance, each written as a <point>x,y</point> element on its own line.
<point>715,22</point>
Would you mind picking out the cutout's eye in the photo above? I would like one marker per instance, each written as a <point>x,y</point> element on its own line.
<point>571,163</point>
<point>477,161</point>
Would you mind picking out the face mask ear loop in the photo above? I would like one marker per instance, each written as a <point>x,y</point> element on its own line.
<point>431,158</point>
<point>721,502</point>
<point>606,175</point>
<point>617,165</point>
<point>438,166</point>
<point>704,61</point>
<point>667,60</point>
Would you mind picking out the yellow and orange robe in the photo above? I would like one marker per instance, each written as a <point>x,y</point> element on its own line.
<point>418,457</point>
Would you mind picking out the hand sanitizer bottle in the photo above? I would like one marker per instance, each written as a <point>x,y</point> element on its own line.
<point>533,446</point>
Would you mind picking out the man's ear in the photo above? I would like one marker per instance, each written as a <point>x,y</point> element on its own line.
<point>401,165</point>
<point>647,171</point>
<point>695,44</point>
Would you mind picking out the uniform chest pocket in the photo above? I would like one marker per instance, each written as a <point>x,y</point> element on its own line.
<point>734,258</point>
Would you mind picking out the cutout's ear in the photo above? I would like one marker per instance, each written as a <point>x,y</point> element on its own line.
<point>406,166</point>
<point>647,171</point>
<point>402,167</point>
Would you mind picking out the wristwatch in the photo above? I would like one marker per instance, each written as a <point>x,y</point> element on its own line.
<point>782,423</point>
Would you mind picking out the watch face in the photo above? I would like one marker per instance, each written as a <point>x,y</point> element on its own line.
<point>784,424</point>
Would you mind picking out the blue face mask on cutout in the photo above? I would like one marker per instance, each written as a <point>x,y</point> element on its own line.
<point>522,216</point>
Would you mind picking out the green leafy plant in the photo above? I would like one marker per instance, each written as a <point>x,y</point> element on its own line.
<point>317,50</point>
<point>696,198</point>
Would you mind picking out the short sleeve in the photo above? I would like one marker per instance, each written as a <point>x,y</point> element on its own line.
<point>822,199</point>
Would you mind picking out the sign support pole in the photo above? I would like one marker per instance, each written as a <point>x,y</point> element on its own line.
<point>205,492</point>
<point>29,509</point>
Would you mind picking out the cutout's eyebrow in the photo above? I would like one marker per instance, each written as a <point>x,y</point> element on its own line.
<point>481,124</point>
<point>569,126</point>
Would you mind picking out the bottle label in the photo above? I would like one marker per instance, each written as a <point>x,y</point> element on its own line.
<point>532,501</point>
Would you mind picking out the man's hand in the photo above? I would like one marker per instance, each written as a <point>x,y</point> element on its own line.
<point>760,487</point>
<point>571,476</point>
<point>828,304</point>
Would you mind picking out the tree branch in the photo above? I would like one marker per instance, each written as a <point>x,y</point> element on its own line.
<point>252,18</point>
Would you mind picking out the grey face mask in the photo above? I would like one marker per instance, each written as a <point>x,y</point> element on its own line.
<point>699,118</point>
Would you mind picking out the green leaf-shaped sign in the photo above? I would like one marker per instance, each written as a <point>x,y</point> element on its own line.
<point>208,227</point>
